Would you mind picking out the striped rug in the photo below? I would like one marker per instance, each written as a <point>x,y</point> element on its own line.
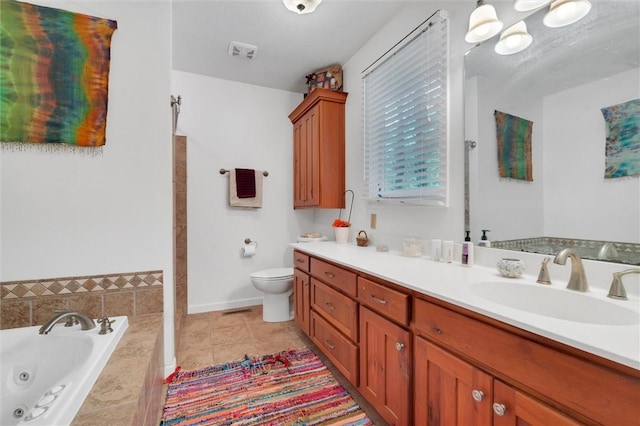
<point>286,388</point>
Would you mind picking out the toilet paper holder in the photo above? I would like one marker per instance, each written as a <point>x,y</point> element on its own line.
<point>248,241</point>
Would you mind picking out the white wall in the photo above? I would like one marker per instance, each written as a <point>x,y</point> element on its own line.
<point>509,208</point>
<point>234,125</point>
<point>69,214</point>
<point>574,163</point>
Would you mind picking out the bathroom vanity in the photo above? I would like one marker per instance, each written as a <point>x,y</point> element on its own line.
<point>423,346</point>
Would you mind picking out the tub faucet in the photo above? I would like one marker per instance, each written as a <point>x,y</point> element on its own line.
<point>607,251</point>
<point>578,278</point>
<point>86,323</point>
<point>617,290</point>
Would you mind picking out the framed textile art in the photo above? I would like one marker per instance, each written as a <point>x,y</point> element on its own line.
<point>622,147</point>
<point>54,75</point>
<point>514,146</point>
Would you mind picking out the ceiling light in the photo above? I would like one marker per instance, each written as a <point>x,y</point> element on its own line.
<point>565,12</point>
<point>527,5</point>
<point>483,23</point>
<point>514,39</point>
<point>301,6</point>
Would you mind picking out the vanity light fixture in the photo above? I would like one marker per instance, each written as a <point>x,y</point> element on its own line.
<point>301,6</point>
<point>565,12</point>
<point>527,5</point>
<point>483,23</point>
<point>514,39</point>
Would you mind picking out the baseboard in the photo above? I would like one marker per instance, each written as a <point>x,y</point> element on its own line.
<point>222,306</point>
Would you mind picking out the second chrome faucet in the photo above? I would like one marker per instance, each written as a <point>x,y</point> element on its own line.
<point>578,278</point>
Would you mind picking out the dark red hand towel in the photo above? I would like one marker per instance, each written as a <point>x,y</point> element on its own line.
<point>246,183</point>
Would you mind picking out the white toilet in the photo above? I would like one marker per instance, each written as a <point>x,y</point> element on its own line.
<point>277,286</point>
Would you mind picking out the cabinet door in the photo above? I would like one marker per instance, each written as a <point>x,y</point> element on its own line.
<point>299,164</point>
<point>385,367</point>
<point>449,391</point>
<point>301,291</point>
<point>512,407</point>
<point>306,173</point>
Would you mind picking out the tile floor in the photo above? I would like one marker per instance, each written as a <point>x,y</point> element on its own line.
<point>217,337</point>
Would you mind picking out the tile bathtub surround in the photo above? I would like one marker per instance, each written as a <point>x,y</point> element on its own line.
<point>27,303</point>
<point>130,389</point>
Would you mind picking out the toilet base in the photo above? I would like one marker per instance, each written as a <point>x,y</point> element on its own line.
<point>276,307</point>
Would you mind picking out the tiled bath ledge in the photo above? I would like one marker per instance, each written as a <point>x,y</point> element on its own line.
<point>129,391</point>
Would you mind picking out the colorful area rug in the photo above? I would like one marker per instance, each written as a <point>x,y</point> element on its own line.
<point>287,388</point>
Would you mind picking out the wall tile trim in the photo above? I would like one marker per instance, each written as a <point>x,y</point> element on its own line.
<point>71,285</point>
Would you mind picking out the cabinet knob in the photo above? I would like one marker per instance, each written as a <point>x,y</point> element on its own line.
<point>399,346</point>
<point>499,409</point>
<point>477,395</point>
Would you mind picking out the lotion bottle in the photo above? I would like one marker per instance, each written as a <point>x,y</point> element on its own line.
<point>484,241</point>
<point>467,254</point>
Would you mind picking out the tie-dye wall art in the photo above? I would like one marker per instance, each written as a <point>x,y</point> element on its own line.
<point>513,135</point>
<point>622,147</point>
<point>54,75</point>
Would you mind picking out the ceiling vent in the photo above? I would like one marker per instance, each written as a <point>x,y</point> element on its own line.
<point>242,49</point>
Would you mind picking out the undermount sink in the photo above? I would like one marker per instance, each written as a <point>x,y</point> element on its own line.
<point>556,303</point>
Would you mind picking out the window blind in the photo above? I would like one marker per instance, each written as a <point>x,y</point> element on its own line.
<point>405,118</point>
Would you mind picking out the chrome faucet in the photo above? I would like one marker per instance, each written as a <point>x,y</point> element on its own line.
<point>607,251</point>
<point>578,278</point>
<point>617,291</point>
<point>86,323</point>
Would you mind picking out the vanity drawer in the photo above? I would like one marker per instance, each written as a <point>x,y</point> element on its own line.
<point>301,261</point>
<point>552,375</point>
<point>384,300</point>
<point>335,276</point>
<point>337,308</point>
<point>340,350</point>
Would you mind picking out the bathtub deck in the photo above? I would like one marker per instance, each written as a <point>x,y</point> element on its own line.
<point>129,390</point>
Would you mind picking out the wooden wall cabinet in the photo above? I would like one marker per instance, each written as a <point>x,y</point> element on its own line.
<point>318,150</point>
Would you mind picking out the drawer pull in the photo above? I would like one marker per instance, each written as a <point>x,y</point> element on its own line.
<point>375,299</point>
<point>399,346</point>
<point>499,409</point>
<point>437,330</point>
<point>477,395</point>
<point>329,306</point>
<point>329,275</point>
<point>300,260</point>
<point>328,343</point>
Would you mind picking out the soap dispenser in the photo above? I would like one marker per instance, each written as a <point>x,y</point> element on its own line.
<point>484,241</point>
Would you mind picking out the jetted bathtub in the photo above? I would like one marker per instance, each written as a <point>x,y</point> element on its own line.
<point>45,378</point>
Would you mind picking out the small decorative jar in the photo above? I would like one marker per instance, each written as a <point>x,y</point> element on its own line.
<point>511,268</point>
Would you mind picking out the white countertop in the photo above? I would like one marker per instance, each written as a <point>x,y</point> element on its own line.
<point>451,282</point>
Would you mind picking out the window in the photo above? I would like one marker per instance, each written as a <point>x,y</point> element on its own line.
<point>405,118</point>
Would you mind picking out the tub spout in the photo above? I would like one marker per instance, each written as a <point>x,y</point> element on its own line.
<point>86,323</point>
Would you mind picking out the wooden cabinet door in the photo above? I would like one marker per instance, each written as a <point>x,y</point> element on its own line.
<point>306,174</point>
<point>385,367</point>
<point>449,391</point>
<point>514,408</point>
<point>301,291</point>
<point>299,164</point>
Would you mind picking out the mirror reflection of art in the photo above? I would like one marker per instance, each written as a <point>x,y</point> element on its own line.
<point>622,148</point>
<point>54,75</point>
<point>514,146</point>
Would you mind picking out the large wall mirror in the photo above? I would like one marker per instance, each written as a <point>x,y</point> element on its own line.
<point>560,83</point>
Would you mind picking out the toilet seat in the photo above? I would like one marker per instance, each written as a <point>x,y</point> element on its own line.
<point>273,274</point>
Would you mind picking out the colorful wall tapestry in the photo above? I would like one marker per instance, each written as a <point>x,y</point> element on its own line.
<point>622,148</point>
<point>54,75</point>
<point>514,146</point>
